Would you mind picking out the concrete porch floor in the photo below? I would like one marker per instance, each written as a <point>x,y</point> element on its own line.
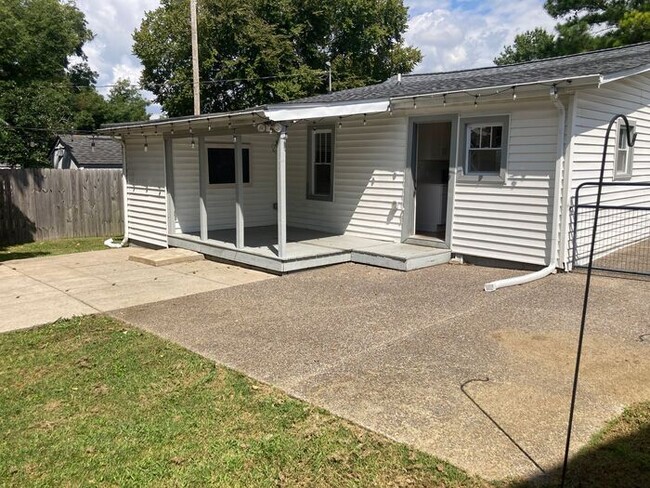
<point>310,249</point>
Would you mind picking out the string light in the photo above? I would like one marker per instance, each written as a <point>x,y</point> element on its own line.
<point>146,144</point>
<point>514,93</point>
<point>172,131</point>
<point>415,105</point>
<point>475,101</point>
<point>92,144</point>
<point>209,125</point>
<point>229,122</point>
<point>340,122</point>
<point>444,100</point>
<point>390,108</point>
<point>554,91</point>
<point>364,119</point>
<point>189,124</point>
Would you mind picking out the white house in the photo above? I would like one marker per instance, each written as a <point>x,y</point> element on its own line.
<point>403,174</point>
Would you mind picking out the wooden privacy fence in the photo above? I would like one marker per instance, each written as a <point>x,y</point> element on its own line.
<point>38,204</point>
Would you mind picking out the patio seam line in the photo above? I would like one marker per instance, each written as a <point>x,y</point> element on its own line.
<point>56,289</point>
<point>383,345</point>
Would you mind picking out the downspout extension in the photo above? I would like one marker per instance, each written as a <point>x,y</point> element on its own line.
<point>109,242</point>
<point>553,262</point>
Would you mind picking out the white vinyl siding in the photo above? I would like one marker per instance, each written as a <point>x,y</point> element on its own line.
<point>146,194</point>
<point>511,220</point>
<point>595,108</point>
<point>368,180</point>
<point>259,194</point>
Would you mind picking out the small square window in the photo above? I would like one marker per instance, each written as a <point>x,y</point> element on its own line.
<point>624,154</point>
<point>221,165</point>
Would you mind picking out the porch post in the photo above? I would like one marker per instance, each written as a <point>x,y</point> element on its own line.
<point>282,192</point>
<point>239,192</point>
<point>169,184</point>
<point>203,189</point>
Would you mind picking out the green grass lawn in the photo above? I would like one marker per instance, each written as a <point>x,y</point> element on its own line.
<point>90,401</point>
<point>51,248</point>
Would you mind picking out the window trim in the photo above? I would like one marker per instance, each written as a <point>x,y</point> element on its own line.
<point>467,123</point>
<point>629,162</point>
<point>225,145</point>
<point>313,130</point>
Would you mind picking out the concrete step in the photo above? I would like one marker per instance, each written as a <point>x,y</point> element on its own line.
<point>401,257</point>
<point>426,241</point>
<point>164,257</point>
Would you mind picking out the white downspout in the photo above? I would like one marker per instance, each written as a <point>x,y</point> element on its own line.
<point>109,242</point>
<point>557,193</point>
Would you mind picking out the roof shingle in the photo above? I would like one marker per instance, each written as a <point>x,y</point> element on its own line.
<point>602,62</point>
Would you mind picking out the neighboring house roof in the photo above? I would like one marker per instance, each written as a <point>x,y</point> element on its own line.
<point>596,63</point>
<point>107,152</point>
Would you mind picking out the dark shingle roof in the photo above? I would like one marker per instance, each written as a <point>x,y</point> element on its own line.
<point>108,151</point>
<point>602,62</point>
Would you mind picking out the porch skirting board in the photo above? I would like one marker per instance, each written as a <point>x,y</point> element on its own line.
<point>304,255</point>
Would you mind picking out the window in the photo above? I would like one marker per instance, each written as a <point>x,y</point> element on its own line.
<point>221,165</point>
<point>486,143</point>
<point>624,153</point>
<point>321,164</point>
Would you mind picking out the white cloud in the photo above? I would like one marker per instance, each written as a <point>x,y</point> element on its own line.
<point>110,52</point>
<point>466,33</point>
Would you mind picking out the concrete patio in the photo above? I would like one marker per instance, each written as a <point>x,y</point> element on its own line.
<point>40,290</point>
<point>390,351</point>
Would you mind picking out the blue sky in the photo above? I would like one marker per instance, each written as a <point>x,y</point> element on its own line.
<point>452,34</point>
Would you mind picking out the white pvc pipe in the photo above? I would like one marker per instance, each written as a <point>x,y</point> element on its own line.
<point>109,242</point>
<point>552,266</point>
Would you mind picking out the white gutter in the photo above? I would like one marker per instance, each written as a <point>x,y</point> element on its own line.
<point>585,78</point>
<point>552,266</point>
<point>109,242</point>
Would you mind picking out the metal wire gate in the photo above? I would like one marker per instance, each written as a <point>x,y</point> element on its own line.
<point>622,240</point>
<point>631,140</point>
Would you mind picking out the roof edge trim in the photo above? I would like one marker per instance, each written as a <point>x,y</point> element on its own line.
<point>619,75</point>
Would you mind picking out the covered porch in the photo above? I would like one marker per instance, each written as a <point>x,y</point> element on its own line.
<point>305,248</point>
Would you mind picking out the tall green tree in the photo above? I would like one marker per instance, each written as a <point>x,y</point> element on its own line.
<point>37,40</point>
<point>261,51</point>
<point>125,103</point>
<point>584,25</point>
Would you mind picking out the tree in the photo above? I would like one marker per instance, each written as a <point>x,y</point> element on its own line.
<point>125,103</point>
<point>585,25</point>
<point>37,40</point>
<point>262,51</point>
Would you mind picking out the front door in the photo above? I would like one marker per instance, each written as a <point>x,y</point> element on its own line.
<point>431,178</point>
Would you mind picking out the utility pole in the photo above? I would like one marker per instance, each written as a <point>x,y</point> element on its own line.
<point>329,76</point>
<point>195,58</point>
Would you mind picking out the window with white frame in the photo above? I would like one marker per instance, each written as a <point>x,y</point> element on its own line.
<point>624,153</point>
<point>485,143</point>
<point>321,164</point>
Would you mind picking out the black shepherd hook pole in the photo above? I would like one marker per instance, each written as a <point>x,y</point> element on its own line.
<point>631,139</point>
